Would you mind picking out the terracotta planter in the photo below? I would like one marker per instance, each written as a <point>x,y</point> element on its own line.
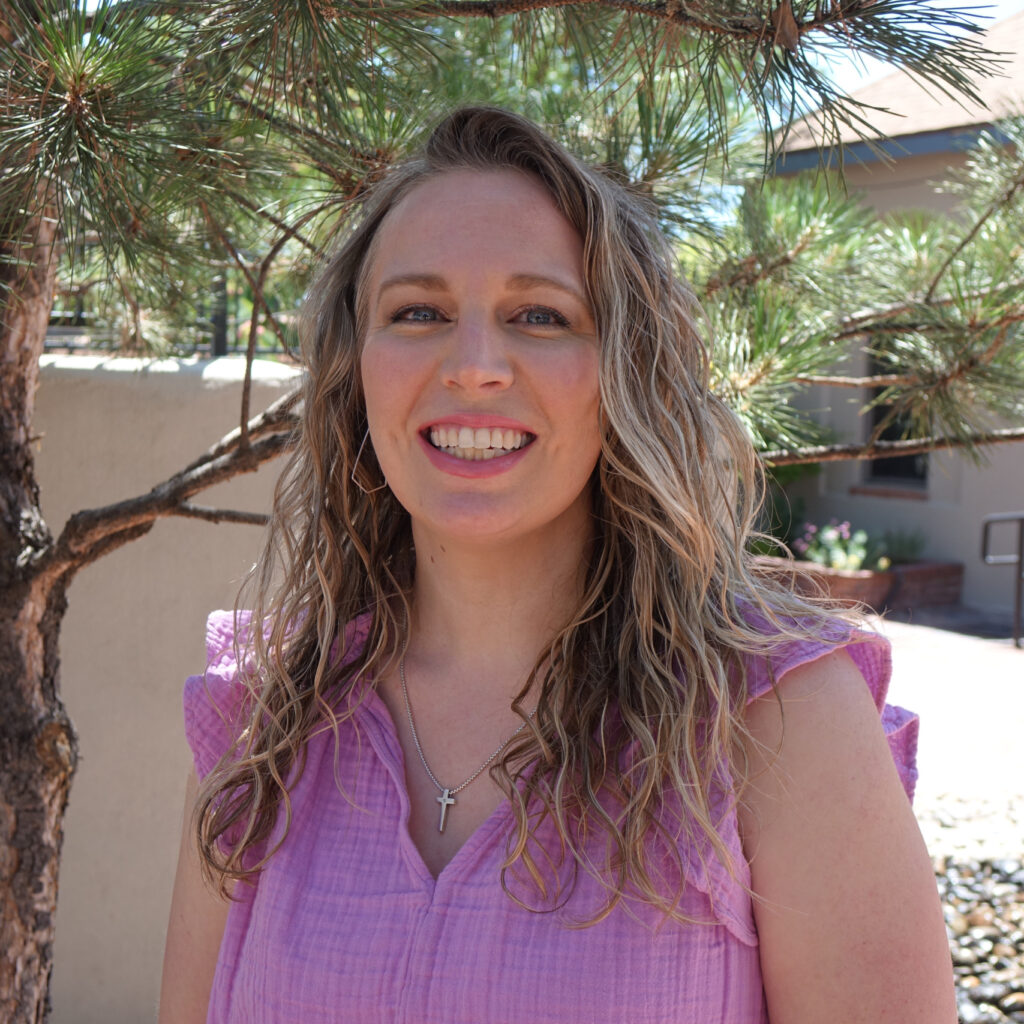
<point>903,587</point>
<point>926,584</point>
<point>844,586</point>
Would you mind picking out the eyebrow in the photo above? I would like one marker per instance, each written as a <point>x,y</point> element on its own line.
<point>516,283</point>
<point>431,282</point>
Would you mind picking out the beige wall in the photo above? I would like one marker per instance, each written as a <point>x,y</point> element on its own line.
<point>948,510</point>
<point>959,494</point>
<point>134,629</point>
<point>906,184</point>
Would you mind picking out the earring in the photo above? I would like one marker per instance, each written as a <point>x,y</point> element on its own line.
<point>355,466</point>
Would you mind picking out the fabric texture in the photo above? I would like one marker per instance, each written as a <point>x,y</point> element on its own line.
<point>346,923</point>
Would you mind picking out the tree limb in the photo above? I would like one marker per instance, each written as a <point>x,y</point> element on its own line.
<point>877,381</point>
<point>244,201</point>
<point>743,27</point>
<point>92,532</point>
<point>870,321</point>
<point>887,449</point>
<point>257,294</point>
<point>998,203</point>
<point>219,515</point>
<point>257,286</point>
<point>314,143</point>
<point>277,418</point>
<point>751,270</point>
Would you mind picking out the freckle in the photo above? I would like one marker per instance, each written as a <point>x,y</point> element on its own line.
<point>443,549</point>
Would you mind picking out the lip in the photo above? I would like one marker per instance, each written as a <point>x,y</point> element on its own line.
<point>455,466</point>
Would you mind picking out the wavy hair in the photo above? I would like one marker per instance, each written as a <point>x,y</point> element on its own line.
<point>641,691</point>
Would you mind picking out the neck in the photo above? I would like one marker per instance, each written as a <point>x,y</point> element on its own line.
<point>481,615</point>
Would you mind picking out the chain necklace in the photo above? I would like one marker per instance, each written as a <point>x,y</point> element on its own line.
<point>447,797</point>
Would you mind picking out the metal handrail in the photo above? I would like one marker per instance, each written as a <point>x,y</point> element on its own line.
<point>1015,559</point>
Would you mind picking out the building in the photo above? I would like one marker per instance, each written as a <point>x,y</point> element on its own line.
<point>924,135</point>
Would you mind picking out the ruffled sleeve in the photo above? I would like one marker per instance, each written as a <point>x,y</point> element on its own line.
<point>729,893</point>
<point>216,701</point>
<point>871,653</point>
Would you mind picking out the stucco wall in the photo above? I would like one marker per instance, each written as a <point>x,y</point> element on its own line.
<point>111,429</point>
<point>906,184</point>
<point>949,514</point>
<point>947,510</point>
<point>959,493</point>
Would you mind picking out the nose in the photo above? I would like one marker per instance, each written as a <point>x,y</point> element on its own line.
<point>478,358</point>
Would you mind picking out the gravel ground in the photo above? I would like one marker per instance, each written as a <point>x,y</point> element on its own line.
<point>977,848</point>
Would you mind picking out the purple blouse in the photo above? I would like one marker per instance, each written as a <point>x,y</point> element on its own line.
<point>347,924</point>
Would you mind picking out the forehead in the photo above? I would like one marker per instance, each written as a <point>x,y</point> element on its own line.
<point>493,218</point>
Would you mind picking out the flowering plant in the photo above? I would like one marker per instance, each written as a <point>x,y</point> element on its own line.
<point>838,546</point>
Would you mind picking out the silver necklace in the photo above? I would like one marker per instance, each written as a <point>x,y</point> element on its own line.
<point>447,797</point>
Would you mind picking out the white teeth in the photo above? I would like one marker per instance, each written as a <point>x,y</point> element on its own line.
<point>476,444</point>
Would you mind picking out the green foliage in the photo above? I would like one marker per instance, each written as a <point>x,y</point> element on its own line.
<point>903,546</point>
<point>179,144</point>
<point>838,546</point>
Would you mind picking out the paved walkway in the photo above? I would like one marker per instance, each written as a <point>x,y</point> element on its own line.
<point>969,693</point>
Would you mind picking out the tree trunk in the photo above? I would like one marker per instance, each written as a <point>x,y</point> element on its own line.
<point>38,748</point>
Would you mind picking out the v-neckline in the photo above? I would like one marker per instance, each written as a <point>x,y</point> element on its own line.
<point>385,742</point>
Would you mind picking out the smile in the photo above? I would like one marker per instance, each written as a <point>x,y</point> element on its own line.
<point>476,444</point>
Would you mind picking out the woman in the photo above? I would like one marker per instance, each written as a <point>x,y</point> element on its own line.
<point>523,736</point>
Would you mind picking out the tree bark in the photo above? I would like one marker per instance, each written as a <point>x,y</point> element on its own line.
<point>38,747</point>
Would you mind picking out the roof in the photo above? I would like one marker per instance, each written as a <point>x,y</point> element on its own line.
<point>914,112</point>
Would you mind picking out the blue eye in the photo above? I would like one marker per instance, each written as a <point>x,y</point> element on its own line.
<point>416,315</point>
<point>542,316</point>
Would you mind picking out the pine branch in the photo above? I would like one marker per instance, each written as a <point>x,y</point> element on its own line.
<point>873,321</point>
<point>245,202</point>
<point>277,418</point>
<point>219,515</point>
<point>999,203</point>
<point>751,270</point>
<point>257,287</point>
<point>314,142</point>
<point>93,532</point>
<point>888,449</point>
<point>259,303</point>
<point>778,28</point>
<point>877,381</point>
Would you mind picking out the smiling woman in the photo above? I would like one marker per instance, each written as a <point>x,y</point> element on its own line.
<point>516,730</point>
<point>477,323</point>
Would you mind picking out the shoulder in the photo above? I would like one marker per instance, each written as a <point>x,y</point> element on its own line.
<point>867,650</point>
<point>845,901</point>
<point>849,663</point>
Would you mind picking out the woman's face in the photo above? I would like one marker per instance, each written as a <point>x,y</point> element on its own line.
<point>480,361</point>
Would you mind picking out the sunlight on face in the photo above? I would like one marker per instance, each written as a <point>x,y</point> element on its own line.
<point>480,361</point>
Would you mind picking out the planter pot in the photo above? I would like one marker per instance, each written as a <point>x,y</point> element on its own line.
<point>926,584</point>
<point>851,587</point>
<point>903,587</point>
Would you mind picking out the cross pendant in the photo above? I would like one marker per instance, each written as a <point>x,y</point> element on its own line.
<point>445,800</point>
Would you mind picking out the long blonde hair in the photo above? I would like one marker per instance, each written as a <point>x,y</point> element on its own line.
<point>641,692</point>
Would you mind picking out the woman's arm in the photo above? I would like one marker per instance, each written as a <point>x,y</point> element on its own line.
<point>847,911</point>
<point>194,933</point>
